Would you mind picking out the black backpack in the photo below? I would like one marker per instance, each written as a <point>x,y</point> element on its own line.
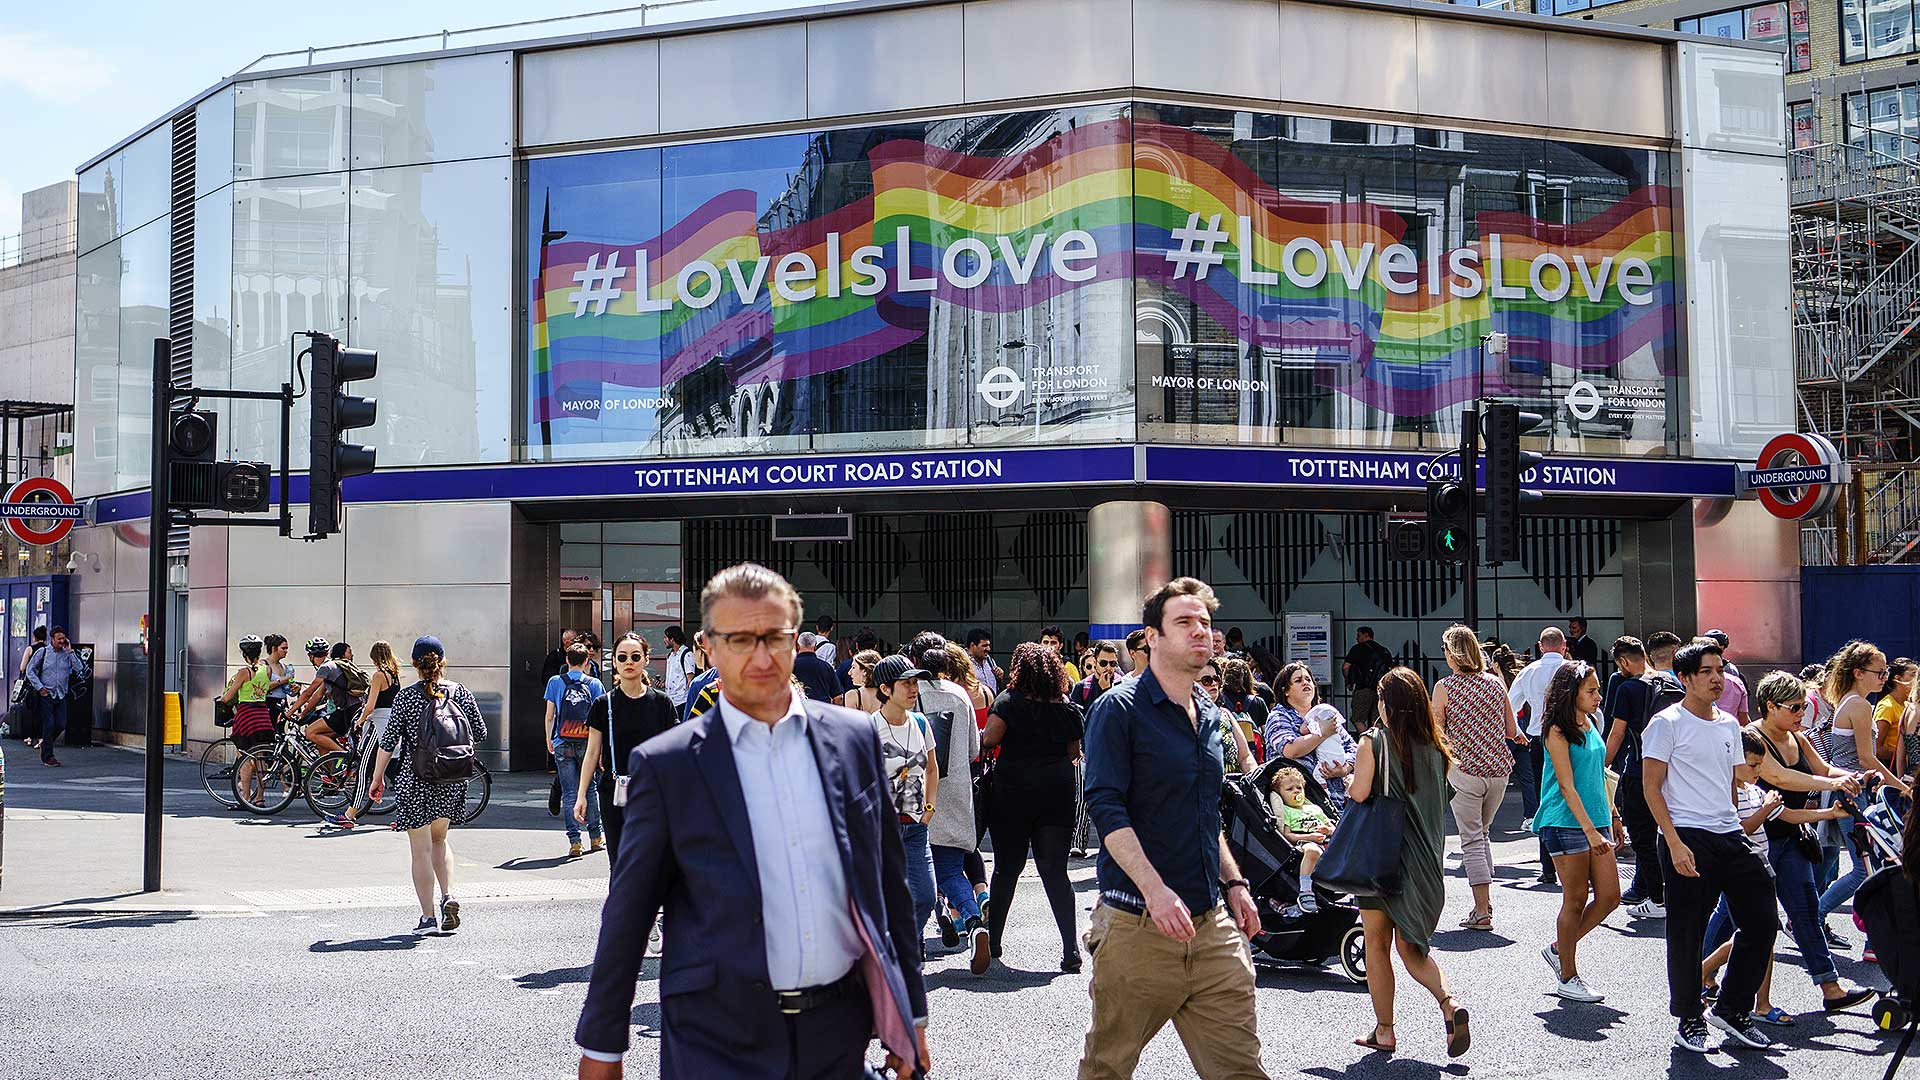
<point>443,751</point>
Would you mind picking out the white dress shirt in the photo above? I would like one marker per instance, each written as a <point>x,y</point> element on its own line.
<point>805,905</point>
<point>1529,690</point>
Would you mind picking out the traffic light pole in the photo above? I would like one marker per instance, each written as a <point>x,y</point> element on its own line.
<point>1469,467</point>
<point>157,523</point>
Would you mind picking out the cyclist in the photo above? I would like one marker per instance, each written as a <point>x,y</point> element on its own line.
<point>344,687</point>
<point>281,687</point>
<point>252,726</point>
<point>382,684</point>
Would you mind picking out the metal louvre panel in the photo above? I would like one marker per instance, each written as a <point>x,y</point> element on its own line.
<point>180,276</point>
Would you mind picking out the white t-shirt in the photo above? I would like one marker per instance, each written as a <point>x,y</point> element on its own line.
<point>679,673</point>
<point>905,750</point>
<point>1700,756</point>
<point>828,652</point>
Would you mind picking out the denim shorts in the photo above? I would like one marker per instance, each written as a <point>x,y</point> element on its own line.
<point>1564,841</point>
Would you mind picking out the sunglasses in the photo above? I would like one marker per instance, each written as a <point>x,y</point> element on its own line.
<point>1209,680</point>
<point>1109,663</point>
<point>1796,709</point>
<point>629,657</point>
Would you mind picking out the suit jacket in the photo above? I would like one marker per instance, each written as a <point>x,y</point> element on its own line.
<point>687,845</point>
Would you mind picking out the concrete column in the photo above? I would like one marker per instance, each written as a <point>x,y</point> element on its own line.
<point>1129,554</point>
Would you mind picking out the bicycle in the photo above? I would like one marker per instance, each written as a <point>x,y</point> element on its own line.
<point>479,790</point>
<point>333,782</point>
<point>279,770</point>
<point>218,763</point>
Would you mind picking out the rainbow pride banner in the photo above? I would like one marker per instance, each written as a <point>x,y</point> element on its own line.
<point>1390,315</point>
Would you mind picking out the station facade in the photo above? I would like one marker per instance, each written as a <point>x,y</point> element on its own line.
<point>1051,299</point>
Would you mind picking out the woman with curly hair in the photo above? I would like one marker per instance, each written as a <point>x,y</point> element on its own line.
<point>1574,818</point>
<point>1038,732</point>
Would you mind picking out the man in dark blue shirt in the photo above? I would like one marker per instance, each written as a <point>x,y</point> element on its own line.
<point>1169,935</point>
<point>815,674</point>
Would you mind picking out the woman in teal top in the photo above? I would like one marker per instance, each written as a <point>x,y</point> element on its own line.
<point>1574,818</point>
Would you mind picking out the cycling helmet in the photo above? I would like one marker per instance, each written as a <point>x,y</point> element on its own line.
<point>251,639</point>
<point>316,645</point>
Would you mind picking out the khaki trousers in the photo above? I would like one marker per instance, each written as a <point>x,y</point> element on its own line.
<point>1142,979</point>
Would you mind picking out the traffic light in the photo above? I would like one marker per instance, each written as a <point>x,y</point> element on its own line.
<point>1504,426</point>
<point>1406,539</point>
<point>1447,521</point>
<point>331,459</point>
<point>198,481</point>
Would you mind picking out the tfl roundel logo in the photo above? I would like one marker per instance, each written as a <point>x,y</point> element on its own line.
<point>1798,475</point>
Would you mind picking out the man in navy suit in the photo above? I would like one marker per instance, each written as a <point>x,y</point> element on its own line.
<point>766,829</point>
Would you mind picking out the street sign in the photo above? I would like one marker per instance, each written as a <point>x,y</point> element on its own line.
<point>40,510</point>
<point>1797,476</point>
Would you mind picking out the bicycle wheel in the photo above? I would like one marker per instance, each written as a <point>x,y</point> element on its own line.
<point>274,778</point>
<point>479,790</point>
<point>216,772</point>
<point>330,783</point>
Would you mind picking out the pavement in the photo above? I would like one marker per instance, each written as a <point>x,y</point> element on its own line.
<point>74,841</point>
<point>348,995</point>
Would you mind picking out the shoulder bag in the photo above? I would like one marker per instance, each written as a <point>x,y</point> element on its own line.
<point>1363,858</point>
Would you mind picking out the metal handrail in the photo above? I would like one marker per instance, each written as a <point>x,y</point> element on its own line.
<point>32,245</point>
<point>314,54</point>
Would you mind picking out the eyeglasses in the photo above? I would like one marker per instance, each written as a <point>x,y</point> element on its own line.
<point>1209,680</point>
<point>742,642</point>
<point>1882,672</point>
<point>629,657</point>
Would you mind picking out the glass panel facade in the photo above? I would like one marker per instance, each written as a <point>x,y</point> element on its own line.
<point>431,257</point>
<point>213,143</point>
<point>1853,30</point>
<point>1357,279</point>
<point>434,110</point>
<point>146,259</point>
<point>96,392</point>
<point>290,126</point>
<point>1887,119</point>
<point>1783,22</point>
<point>1889,27</point>
<point>920,284</point>
<point>289,275</point>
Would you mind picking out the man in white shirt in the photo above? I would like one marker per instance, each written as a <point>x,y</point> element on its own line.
<point>679,665</point>
<point>1529,693</point>
<point>1690,751</point>
<point>826,650</point>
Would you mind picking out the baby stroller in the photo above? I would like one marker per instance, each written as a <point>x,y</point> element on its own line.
<point>1271,866</point>
<point>1885,900</point>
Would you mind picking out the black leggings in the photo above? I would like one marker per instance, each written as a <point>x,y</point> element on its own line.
<point>1013,833</point>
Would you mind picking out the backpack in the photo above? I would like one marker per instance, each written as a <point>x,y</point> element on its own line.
<point>443,750</point>
<point>576,701</point>
<point>356,680</point>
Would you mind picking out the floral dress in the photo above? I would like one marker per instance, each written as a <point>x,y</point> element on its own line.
<point>420,802</point>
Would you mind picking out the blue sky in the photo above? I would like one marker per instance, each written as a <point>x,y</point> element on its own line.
<point>75,78</point>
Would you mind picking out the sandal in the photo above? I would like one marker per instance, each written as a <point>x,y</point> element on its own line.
<point>1482,921</point>
<point>1776,1016</point>
<point>1459,1038</point>
<point>1373,1043</point>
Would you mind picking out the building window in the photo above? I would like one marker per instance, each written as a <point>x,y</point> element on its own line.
<point>1802,131</point>
<point>1783,22</point>
<point>1887,120</point>
<point>1870,29</point>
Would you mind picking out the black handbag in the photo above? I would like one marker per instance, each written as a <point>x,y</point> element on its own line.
<point>223,711</point>
<point>1363,858</point>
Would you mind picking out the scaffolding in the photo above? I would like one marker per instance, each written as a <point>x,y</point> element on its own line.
<point>1855,253</point>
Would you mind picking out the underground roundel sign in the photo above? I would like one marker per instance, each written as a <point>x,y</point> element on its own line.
<point>1797,475</point>
<point>40,510</point>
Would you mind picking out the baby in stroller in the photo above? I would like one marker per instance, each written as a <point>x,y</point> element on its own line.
<point>1305,825</point>
<point>1297,925</point>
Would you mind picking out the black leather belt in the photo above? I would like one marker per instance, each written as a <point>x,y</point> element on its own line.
<point>795,1002</point>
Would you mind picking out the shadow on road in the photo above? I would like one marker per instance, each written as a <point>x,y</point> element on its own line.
<point>548,980</point>
<point>1684,1064</point>
<point>646,1020</point>
<point>999,979</point>
<point>1580,1022</point>
<point>1390,1068</point>
<point>390,943</point>
<point>1460,941</point>
<point>523,863</point>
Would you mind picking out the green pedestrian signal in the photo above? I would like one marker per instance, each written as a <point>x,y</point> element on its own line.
<point>1448,540</point>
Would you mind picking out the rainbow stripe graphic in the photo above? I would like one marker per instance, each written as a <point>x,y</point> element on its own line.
<point>1128,184</point>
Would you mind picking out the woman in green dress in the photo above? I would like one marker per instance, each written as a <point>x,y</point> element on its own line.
<point>1407,757</point>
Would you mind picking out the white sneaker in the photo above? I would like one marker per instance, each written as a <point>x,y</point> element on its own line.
<point>1648,909</point>
<point>653,939</point>
<point>1551,954</point>
<point>1575,989</point>
<point>1526,824</point>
